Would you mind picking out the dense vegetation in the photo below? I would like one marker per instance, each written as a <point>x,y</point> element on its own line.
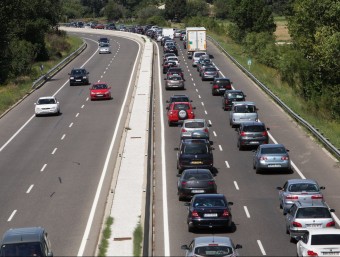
<point>310,63</point>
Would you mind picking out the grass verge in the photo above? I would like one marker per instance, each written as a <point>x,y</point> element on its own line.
<point>271,78</point>
<point>105,238</point>
<point>137,240</point>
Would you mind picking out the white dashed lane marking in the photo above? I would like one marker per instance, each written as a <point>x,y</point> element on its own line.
<point>246,211</point>
<point>261,247</point>
<point>63,136</point>
<point>70,125</point>
<point>54,150</point>
<point>12,215</point>
<point>214,133</point>
<point>43,167</point>
<point>29,189</point>
<point>227,164</point>
<point>221,149</point>
<point>236,185</point>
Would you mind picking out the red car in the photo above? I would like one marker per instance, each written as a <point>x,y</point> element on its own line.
<point>180,111</point>
<point>100,90</point>
<point>99,26</point>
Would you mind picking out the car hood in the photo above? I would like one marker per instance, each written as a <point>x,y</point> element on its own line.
<point>98,91</point>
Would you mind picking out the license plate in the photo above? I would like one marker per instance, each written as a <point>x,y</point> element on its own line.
<point>313,225</point>
<point>196,162</point>
<point>197,191</point>
<point>78,79</point>
<point>99,95</point>
<point>254,142</point>
<point>331,253</point>
<point>210,214</point>
<point>274,165</point>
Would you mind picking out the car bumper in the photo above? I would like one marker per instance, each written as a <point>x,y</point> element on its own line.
<point>210,223</point>
<point>190,192</point>
<point>46,112</point>
<point>195,166</point>
<point>219,91</point>
<point>274,166</point>
<point>79,82</point>
<point>98,97</point>
<point>251,142</point>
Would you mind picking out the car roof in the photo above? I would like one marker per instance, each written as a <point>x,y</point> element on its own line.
<point>208,196</point>
<point>195,141</point>
<point>233,91</point>
<point>311,204</point>
<point>300,180</point>
<point>244,103</point>
<point>203,240</point>
<point>196,171</point>
<point>17,235</point>
<point>47,97</point>
<point>324,231</point>
<point>194,120</point>
<point>252,123</point>
<point>271,145</point>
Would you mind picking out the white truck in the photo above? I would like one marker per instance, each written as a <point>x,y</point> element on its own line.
<point>168,32</point>
<point>196,40</point>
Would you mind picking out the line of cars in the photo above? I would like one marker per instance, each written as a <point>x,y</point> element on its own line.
<point>308,219</point>
<point>207,209</point>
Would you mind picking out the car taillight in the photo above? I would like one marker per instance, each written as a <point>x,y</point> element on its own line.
<point>316,197</point>
<point>211,183</point>
<point>311,253</point>
<point>195,214</point>
<point>225,213</point>
<point>184,130</point>
<point>292,197</point>
<point>206,130</point>
<point>330,224</point>
<point>284,158</point>
<point>242,134</point>
<point>296,224</point>
<point>264,133</point>
<point>226,101</point>
<point>184,183</point>
<point>263,158</point>
<point>215,86</point>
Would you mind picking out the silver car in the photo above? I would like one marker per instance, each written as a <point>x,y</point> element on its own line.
<point>271,157</point>
<point>104,49</point>
<point>174,82</point>
<point>211,246</point>
<point>302,190</point>
<point>209,73</point>
<point>195,128</point>
<point>302,216</point>
<point>241,112</point>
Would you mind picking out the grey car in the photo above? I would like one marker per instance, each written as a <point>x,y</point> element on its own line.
<point>209,73</point>
<point>211,246</point>
<point>104,49</point>
<point>302,190</point>
<point>302,216</point>
<point>174,82</point>
<point>252,133</point>
<point>242,112</point>
<point>191,126</point>
<point>271,157</point>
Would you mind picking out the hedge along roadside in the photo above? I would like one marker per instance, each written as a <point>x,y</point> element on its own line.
<point>330,147</point>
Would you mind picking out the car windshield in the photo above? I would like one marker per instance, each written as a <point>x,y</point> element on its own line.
<point>181,107</point>
<point>245,109</point>
<point>273,150</point>
<point>307,187</point>
<point>325,239</point>
<point>195,149</point>
<point>194,124</point>
<point>253,129</point>
<point>215,250</point>
<point>77,72</point>
<point>197,176</point>
<point>99,86</point>
<point>21,249</point>
<point>179,99</point>
<point>209,202</point>
<point>105,45</point>
<point>46,101</point>
<point>313,213</point>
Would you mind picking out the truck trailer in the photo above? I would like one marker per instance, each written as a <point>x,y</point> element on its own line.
<point>196,40</point>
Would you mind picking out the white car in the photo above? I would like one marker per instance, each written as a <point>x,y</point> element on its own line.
<point>173,59</point>
<point>319,242</point>
<point>47,105</point>
<point>105,49</point>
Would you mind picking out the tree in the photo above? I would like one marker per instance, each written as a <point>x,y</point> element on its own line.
<point>175,9</point>
<point>114,11</point>
<point>252,16</point>
<point>221,9</point>
<point>197,8</point>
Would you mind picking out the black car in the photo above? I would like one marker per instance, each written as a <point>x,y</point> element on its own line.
<point>231,96</point>
<point>194,153</point>
<point>220,85</point>
<point>209,211</point>
<point>195,181</point>
<point>252,133</point>
<point>171,49</point>
<point>103,40</point>
<point>79,77</point>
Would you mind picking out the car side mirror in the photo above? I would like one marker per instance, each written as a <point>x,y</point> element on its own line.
<point>287,150</point>
<point>164,78</point>
<point>209,125</point>
<point>323,188</point>
<point>279,188</point>
<point>167,101</point>
<point>238,246</point>
<point>190,100</point>
<point>332,210</point>
<point>210,82</point>
<point>212,148</point>
<point>178,175</point>
<point>268,128</point>
<point>211,142</point>
<point>230,203</point>
<point>186,204</point>
<point>176,149</point>
<point>194,108</point>
<point>184,247</point>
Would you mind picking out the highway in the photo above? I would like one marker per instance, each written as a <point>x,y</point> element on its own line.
<point>51,166</point>
<point>259,222</point>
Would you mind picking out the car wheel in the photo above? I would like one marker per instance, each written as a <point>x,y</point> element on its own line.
<point>281,206</point>
<point>191,229</point>
<point>287,230</point>
<point>169,123</point>
<point>257,170</point>
<point>240,147</point>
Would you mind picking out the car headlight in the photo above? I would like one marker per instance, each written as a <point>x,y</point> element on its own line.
<point>84,77</point>
<point>71,77</point>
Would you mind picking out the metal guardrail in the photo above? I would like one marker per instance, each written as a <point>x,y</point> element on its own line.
<point>41,80</point>
<point>314,131</point>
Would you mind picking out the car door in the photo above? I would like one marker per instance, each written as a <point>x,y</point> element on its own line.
<point>290,216</point>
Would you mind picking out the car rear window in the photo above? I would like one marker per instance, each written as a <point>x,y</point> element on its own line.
<point>181,107</point>
<point>217,250</point>
<point>274,150</point>
<point>313,213</point>
<point>223,83</point>
<point>175,78</point>
<point>307,187</point>
<point>196,149</point>
<point>210,69</point>
<point>245,109</point>
<point>254,128</point>
<point>209,202</point>
<point>197,176</point>
<point>194,124</point>
<point>325,239</point>
<point>46,101</point>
